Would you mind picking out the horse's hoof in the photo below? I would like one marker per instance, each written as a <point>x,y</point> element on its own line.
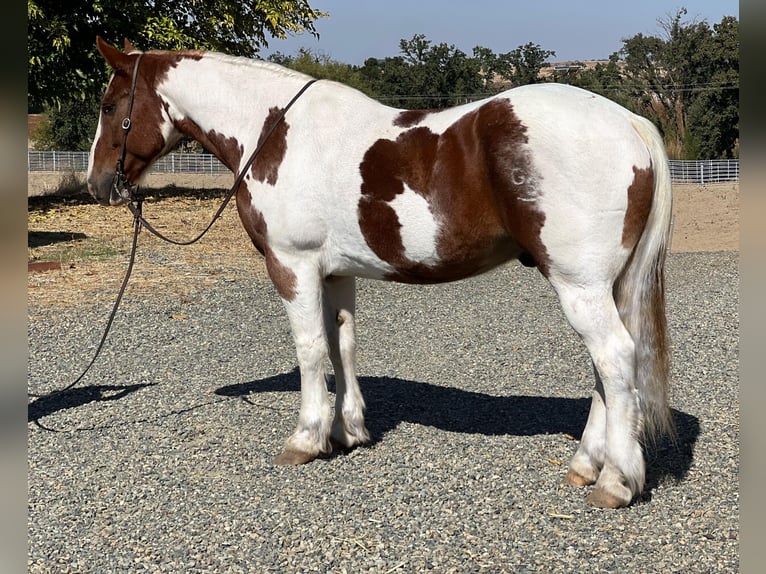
<point>575,479</point>
<point>600,498</point>
<point>344,441</point>
<point>294,457</point>
<point>341,446</point>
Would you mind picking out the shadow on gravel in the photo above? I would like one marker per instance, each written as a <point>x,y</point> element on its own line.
<point>672,460</point>
<point>391,401</point>
<point>77,397</point>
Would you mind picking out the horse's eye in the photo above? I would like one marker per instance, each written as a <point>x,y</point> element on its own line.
<point>107,109</point>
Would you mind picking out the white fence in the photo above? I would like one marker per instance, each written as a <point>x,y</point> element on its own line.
<point>682,171</point>
<point>202,163</point>
<point>704,171</point>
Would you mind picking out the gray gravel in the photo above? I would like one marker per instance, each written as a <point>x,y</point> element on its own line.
<point>476,393</point>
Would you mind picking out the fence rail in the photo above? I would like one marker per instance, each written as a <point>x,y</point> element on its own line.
<point>704,171</point>
<point>681,171</point>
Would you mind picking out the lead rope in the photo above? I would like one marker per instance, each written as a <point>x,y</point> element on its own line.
<point>237,182</point>
<point>121,292</point>
<point>139,220</point>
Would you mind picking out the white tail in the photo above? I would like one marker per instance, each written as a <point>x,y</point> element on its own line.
<point>640,294</point>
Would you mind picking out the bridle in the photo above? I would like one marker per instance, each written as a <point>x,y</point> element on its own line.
<point>126,193</point>
<point>120,184</point>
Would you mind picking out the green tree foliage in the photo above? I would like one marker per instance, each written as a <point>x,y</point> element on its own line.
<point>69,127</point>
<point>713,114</point>
<point>427,75</point>
<point>424,75</point>
<point>321,66</point>
<point>687,81</point>
<point>522,66</point>
<point>63,63</point>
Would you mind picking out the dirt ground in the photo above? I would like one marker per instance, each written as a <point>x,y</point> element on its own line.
<point>78,250</point>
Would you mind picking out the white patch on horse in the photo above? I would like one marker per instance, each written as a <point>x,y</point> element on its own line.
<point>419,228</point>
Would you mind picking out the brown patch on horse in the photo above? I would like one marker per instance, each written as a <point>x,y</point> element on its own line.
<point>409,118</point>
<point>282,277</point>
<point>477,179</point>
<point>227,149</point>
<point>640,196</point>
<point>266,165</point>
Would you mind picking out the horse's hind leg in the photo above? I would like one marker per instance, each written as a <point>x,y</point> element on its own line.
<point>348,428</point>
<point>610,452</point>
<point>586,464</point>
<point>303,302</point>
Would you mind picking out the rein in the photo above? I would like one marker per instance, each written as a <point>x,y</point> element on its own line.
<point>120,177</point>
<point>125,191</point>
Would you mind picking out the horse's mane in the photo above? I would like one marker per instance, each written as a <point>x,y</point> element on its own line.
<point>249,62</point>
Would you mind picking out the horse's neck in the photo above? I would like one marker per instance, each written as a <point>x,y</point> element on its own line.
<point>224,102</point>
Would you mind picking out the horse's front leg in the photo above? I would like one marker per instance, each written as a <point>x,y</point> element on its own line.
<point>300,287</point>
<point>348,428</point>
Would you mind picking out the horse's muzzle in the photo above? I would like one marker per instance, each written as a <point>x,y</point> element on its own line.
<point>111,189</point>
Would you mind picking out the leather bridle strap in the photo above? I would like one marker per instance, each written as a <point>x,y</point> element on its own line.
<point>120,183</point>
<point>237,182</point>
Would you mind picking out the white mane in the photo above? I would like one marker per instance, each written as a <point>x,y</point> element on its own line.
<point>257,64</point>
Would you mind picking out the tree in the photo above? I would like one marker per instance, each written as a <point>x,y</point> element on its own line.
<point>606,80</point>
<point>70,127</point>
<point>424,75</point>
<point>321,66</point>
<point>63,62</point>
<point>522,65</point>
<point>713,115</point>
<point>687,82</point>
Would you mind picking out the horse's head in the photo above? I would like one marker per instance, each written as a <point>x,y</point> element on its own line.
<point>134,128</point>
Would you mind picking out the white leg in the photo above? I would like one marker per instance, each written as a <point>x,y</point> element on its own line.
<point>587,462</point>
<point>304,309</point>
<point>348,428</point>
<point>592,312</point>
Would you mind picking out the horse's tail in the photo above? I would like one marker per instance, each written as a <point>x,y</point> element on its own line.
<point>640,295</point>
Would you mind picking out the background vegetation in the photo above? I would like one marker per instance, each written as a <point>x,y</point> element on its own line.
<point>685,78</point>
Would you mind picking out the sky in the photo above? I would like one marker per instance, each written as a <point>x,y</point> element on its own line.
<point>588,30</point>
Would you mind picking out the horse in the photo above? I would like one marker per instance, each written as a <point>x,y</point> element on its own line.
<point>344,187</point>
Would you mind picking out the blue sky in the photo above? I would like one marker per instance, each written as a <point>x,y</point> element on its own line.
<point>587,30</point>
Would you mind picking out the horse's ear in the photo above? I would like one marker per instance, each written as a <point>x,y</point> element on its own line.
<point>129,47</point>
<point>116,59</point>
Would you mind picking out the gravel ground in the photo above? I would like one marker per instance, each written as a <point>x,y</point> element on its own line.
<point>160,461</point>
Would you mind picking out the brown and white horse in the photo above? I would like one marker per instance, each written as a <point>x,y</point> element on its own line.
<point>344,187</point>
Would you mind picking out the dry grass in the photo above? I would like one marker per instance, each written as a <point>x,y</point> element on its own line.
<point>92,244</point>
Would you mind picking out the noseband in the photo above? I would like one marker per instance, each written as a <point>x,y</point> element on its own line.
<point>122,189</point>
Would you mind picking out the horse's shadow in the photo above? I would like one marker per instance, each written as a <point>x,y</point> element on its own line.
<point>393,401</point>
